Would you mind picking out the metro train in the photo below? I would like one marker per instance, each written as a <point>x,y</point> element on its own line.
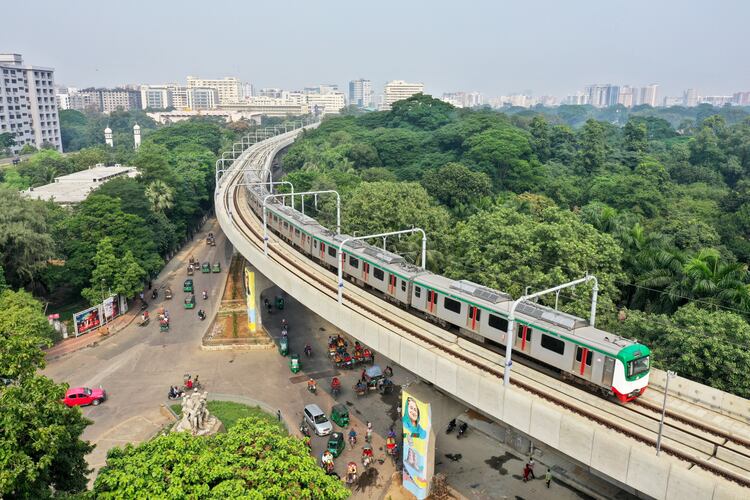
<point>600,360</point>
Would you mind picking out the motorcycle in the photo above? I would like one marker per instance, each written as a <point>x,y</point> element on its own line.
<point>175,395</point>
<point>451,426</point>
<point>205,294</point>
<point>312,388</point>
<point>154,294</point>
<point>144,305</point>
<point>284,332</point>
<point>304,429</point>
<point>352,440</point>
<point>461,429</point>
<point>201,315</point>
<point>308,350</point>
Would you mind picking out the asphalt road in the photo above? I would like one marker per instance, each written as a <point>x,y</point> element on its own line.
<point>138,364</point>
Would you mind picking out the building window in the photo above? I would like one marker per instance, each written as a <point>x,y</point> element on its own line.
<point>452,305</point>
<point>354,262</point>
<point>579,355</point>
<point>378,273</point>
<point>553,344</point>
<point>417,291</point>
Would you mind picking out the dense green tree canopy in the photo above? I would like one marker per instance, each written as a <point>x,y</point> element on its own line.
<point>254,459</point>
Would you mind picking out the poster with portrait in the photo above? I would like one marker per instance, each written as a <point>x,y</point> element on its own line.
<point>250,299</point>
<point>87,320</point>
<point>418,447</point>
<point>111,308</point>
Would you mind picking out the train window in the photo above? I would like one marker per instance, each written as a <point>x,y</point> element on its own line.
<point>553,344</point>
<point>498,323</point>
<point>286,224</point>
<point>452,305</point>
<point>403,285</point>
<point>472,311</point>
<point>638,366</point>
<point>315,243</point>
<point>296,231</point>
<point>417,291</point>
<point>519,332</point>
<point>354,262</point>
<point>332,251</point>
<point>579,355</point>
<point>378,273</point>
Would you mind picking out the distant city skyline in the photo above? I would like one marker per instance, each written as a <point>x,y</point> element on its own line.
<point>496,48</point>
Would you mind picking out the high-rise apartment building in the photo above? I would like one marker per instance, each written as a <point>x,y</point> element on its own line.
<point>649,94</point>
<point>463,99</point>
<point>228,89</point>
<point>326,104</point>
<point>85,100</point>
<point>28,105</point>
<point>156,96</point>
<point>63,101</point>
<point>119,99</point>
<point>628,96</point>
<point>203,98</point>
<point>690,98</point>
<point>360,93</point>
<point>602,95</point>
<point>741,98</point>
<point>398,90</point>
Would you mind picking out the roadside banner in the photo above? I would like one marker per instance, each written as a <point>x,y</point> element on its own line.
<point>111,308</point>
<point>419,450</point>
<point>87,320</point>
<point>250,299</point>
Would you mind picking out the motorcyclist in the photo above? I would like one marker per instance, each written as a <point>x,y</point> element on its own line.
<point>189,383</point>
<point>308,350</point>
<point>172,392</point>
<point>155,293</point>
<point>311,385</point>
<point>205,294</point>
<point>352,438</point>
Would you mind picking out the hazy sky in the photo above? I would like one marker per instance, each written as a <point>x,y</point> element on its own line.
<point>497,47</point>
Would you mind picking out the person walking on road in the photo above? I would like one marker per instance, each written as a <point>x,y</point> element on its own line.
<point>548,477</point>
<point>526,471</point>
<point>530,464</point>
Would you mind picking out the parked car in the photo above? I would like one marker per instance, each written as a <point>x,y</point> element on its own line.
<point>318,420</point>
<point>83,396</point>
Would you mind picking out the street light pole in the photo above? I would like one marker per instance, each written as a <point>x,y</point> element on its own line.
<point>670,374</point>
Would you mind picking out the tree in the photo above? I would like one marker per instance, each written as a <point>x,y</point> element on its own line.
<point>635,137</point>
<point>153,162</point>
<point>7,140</point>
<point>541,141</point>
<point>505,155</point>
<point>103,277</point>
<point>252,460</point>
<point>538,245</point>
<point>40,447</point>
<point>23,328</point>
<point>454,184</point>
<point>130,276</point>
<point>160,196</point>
<point>421,111</point>
<point>709,347</point>
<point>25,242</point>
<point>593,150</point>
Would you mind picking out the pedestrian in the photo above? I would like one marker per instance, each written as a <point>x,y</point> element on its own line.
<point>278,415</point>
<point>526,471</point>
<point>548,476</point>
<point>364,372</point>
<point>531,467</point>
<point>372,356</point>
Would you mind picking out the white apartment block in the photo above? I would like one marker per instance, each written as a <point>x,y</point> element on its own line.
<point>228,89</point>
<point>156,96</point>
<point>203,98</point>
<point>360,93</point>
<point>326,104</point>
<point>398,90</point>
<point>63,101</point>
<point>114,99</point>
<point>28,104</point>
<point>269,106</point>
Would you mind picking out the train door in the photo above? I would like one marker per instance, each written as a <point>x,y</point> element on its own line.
<point>473,318</point>
<point>609,371</point>
<point>523,339</point>
<point>365,271</point>
<point>322,252</point>
<point>392,284</point>
<point>582,363</point>
<point>432,301</point>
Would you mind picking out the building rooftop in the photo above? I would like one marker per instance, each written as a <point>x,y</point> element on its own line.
<point>74,188</point>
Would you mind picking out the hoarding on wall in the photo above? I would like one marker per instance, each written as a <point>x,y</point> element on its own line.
<point>418,447</point>
<point>111,307</point>
<point>87,320</point>
<point>250,299</point>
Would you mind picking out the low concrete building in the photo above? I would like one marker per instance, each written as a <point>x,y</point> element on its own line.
<point>74,188</point>
<point>166,117</point>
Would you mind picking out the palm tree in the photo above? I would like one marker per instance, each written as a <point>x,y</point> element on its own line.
<point>160,196</point>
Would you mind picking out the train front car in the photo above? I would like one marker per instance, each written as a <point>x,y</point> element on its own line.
<point>631,372</point>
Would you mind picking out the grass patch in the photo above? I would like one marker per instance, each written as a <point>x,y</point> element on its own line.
<point>230,412</point>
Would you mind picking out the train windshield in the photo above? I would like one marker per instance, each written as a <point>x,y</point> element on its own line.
<point>638,366</point>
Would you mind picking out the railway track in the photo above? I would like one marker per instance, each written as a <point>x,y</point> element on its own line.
<point>686,438</point>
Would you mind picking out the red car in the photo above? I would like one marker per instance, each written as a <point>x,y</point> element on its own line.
<point>83,396</point>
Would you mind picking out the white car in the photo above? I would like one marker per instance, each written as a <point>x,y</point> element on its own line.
<point>318,420</point>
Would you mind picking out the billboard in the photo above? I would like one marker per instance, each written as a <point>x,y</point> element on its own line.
<point>418,448</point>
<point>87,320</point>
<point>111,308</point>
<point>250,299</point>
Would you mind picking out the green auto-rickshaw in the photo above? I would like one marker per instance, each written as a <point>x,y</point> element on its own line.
<point>284,346</point>
<point>294,363</point>
<point>206,267</point>
<point>336,444</point>
<point>216,268</point>
<point>188,286</point>
<point>340,415</point>
<point>279,302</point>
<point>189,301</point>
